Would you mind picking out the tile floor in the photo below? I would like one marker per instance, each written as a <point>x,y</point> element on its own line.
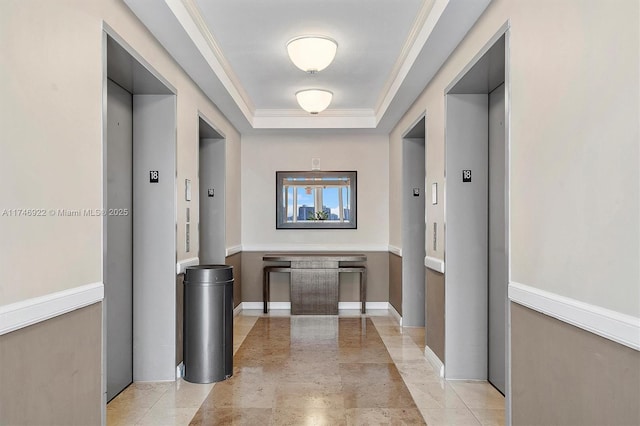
<point>315,371</point>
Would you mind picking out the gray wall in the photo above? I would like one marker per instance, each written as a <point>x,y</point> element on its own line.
<point>413,232</point>
<point>466,237</point>
<point>212,209</point>
<point>154,238</point>
<point>50,371</point>
<point>377,280</point>
<point>434,305</point>
<point>563,375</point>
<point>395,282</point>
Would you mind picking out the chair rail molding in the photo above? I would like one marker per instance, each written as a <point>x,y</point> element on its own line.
<point>181,265</point>
<point>612,325</point>
<point>230,251</point>
<point>31,311</point>
<point>434,264</point>
<point>395,250</point>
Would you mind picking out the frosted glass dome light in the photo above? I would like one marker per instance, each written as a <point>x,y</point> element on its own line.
<point>312,53</point>
<point>314,100</point>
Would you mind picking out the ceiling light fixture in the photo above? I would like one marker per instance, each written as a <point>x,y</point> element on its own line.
<point>312,53</point>
<point>314,100</point>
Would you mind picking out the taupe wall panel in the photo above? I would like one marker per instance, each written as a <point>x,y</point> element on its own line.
<point>235,260</point>
<point>434,303</point>
<point>395,282</point>
<point>377,280</point>
<point>50,371</point>
<point>563,375</point>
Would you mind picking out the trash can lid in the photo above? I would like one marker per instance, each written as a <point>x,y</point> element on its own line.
<point>208,274</point>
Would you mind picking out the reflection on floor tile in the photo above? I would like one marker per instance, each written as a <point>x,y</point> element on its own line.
<point>317,370</point>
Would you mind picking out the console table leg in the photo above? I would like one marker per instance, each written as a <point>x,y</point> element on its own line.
<point>363,290</point>
<point>265,290</point>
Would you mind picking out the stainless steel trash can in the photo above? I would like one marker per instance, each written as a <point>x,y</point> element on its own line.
<point>208,323</point>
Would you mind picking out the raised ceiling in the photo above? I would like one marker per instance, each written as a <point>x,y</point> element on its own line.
<point>235,50</point>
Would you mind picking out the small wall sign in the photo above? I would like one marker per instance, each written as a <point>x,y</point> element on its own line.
<point>416,192</point>
<point>466,176</point>
<point>187,189</point>
<point>434,193</point>
<point>210,192</point>
<point>154,176</point>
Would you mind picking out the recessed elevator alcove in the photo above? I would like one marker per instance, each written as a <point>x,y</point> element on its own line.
<point>413,226</point>
<point>211,175</point>
<point>139,221</point>
<point>476,219</point>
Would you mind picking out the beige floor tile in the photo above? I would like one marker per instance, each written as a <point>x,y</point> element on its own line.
<point>399,341</point>
<point>142,394</point>
<point>381,395</point>
<point>247,394</point>
<point>309,395</point>
<point>236,416</point>
<point>478,394</point>
<point>389,330</point>
<point>184,395</point>
<point>489,417</point>
<point>405,354</point>
<point>124,414</point>
<point>384,416</point>
<point>309,416</point>
<point>435,395</point>
<point>449,417</point>
<point>417,372</point>
<point>167,416</point>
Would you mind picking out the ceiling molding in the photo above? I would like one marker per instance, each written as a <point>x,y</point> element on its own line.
<point>328,119</point>
<point>409,43</point>
<point>437,29</point>
<point>190,18</point>
<point>425,24</point>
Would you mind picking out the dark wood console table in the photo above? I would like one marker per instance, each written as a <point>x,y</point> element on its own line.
<point>314,280</point>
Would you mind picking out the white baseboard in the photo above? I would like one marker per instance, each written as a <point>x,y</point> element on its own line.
<point>434,264</point>
<point>181,266</point>
<point>612,325</point>
<point>31,311</point>
<point>230,251</point>
<point>395,314</point>
<point>237,309</point>
<point>434,360</point>
<point>287,305</point>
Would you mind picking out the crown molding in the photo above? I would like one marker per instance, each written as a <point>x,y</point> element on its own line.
<point>423,27</point>
<point>190,18</point>
<point>188,15</point>
<point>328,119</point>
<point>437,28</point>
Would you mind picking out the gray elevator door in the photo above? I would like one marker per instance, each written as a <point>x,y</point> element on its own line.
<point>119,238</point>
<point>497,240</point>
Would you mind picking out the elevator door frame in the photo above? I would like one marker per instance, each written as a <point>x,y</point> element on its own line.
<point>456,306</point>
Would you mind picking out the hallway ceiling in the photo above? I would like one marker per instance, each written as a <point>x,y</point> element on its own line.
<point>235,50</point>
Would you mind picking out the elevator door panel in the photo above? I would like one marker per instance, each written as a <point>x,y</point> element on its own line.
<point>497,240</point>
<point>119,238</point>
